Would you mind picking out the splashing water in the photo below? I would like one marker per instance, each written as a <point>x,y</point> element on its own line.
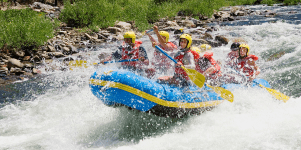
<point>58,110</point>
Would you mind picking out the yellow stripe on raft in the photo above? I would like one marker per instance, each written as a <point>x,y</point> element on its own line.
<point>153,98</point>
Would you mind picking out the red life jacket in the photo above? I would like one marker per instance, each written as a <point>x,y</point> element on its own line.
<point>244,67</point>
<point>179,58</point>
<point>161,59</point>
<point>206,62</point>
<point>132,54</point>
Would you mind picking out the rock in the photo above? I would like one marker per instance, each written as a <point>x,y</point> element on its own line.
<point>178,18</point>
<point>39,5</point>
<point>3,70</point>
<point>62,32</point>
<point>51,49</point>
<point>26,58</point>
<point>66,50</point>
<point>123,25</point>
<point>199,41</point>
<point>275,56</point>
<point>207,36</point>
<point>202,17</point>
<point>188,23</point>
<point>35,71</point>
<point>14,63</point>
<point>172,24</point>
<point>114,30</point>
<point>16,71</point>
<point>214,43</point>
<point>56,54</point>
<point>239,13</point>
<point>88,37</point>
<point>18,53</point>
<point>222,39</point>
<point>36,58</point>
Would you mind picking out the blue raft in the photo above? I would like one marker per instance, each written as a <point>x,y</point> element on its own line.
<point>124,88</point>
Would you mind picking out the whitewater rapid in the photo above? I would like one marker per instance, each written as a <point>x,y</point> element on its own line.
<point>66,115</point>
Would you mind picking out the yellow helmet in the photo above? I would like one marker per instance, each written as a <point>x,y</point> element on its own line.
<point>165,34</point>
<point>196,49</point>
<point>205,47</point>
<point>188,38</point>
<point>131,35</point>
<point>245,46</point>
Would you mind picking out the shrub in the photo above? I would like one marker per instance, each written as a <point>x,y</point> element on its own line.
<point>24,28</point>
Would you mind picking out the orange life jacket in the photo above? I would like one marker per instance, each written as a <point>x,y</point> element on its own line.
<point>179,58</point>
<point>206,62</point>
<point>132,54</point>
<point>244,67</point>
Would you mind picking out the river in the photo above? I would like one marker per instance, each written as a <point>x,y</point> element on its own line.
<point>58,111</point>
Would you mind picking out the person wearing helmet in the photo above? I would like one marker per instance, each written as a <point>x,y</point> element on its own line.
<point>160,61</point>
<point>185,57</point>
<point>130,49</point>
<point>207,66</point>
<point>245,62</point>
<point>233,54</point>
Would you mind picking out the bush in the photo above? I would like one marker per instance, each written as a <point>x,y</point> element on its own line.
<point>104,13</point>
<point>24,28</point>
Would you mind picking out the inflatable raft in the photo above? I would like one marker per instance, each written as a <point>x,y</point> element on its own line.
<point>124,88</point>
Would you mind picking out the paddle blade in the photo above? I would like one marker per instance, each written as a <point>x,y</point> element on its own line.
<point>225,94</point>
<point>196,77</point>
<point>276,94</point>
<point>77,63</point>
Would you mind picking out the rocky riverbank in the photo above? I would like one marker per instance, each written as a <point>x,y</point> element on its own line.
<point>68,40</point>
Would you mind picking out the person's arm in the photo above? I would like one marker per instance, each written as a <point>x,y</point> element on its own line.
<point>116,55</point>
<point>161,40</point>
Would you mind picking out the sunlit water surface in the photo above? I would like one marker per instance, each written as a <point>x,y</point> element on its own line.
<point>58,110</point>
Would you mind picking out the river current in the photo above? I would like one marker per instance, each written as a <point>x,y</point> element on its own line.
<point>58,111</point>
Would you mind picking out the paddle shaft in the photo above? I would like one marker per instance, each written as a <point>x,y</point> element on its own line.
<point>158,48</point>
<point>149,31</point>
<point>126,60</point>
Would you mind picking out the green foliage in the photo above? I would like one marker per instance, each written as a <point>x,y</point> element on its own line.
<point>104,13</point>
<point>291,2</point>
<point>24,28</point>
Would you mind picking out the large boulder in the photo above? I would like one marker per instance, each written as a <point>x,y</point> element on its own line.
<point>14,63</point>
<point>123,25</point>
<point>222,39</point>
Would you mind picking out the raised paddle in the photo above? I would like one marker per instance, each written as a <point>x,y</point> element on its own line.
<point>145,32</point>
<point>196,77</point>
<point>275,93</point>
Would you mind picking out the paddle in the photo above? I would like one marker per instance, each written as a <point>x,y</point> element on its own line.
<point>126,60</point>
<point>196,77</point>
<point>80,63</point>
<point>145,32</point>
<point>199,80</point>
<point>275,93</point>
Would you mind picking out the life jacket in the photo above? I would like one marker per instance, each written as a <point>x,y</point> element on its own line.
<point>244,67</point>
<point>179,71</point>
<point>206,62</point>
<point>161,60</point>
<point>131,54</point>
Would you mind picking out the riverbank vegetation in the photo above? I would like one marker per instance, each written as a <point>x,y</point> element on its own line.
<point>29,28</point>
<point>24,27</point>
<point>104,13</point>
